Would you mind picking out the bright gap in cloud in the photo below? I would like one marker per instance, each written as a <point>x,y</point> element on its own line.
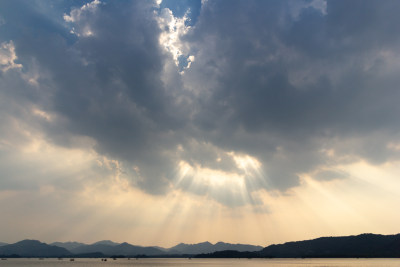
<point>173,28</point>
<point>8,56</point>
<point>232,188</point>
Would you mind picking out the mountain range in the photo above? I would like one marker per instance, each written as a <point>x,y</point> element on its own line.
<point>34,248</point>
<point>117,249</point>
<point>364,245</point>
<point>67,245</point>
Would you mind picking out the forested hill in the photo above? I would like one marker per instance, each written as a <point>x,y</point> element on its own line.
<point>365,245</point>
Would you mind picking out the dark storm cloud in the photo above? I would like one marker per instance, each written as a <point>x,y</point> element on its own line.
<point>256,56</point>
<point>106,86</point>
<point>280,85</point>
<point>301,82</point>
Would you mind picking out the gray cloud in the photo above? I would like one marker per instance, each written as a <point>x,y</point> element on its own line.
<point>280,87</point>
<point>301,83</point>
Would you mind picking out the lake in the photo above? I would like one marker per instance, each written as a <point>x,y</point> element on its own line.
<point>204,262</point>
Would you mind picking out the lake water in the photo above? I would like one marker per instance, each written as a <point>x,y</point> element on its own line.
<point>204,262</point>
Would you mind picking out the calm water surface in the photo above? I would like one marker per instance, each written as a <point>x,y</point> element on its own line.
<point>203,262</point>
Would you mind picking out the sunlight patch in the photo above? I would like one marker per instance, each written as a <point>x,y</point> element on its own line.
<point>246,162</point>
<point>43,114</point>
<point>77,16</point>
<point>210,177</point>
<point>230,189</point>
<point>8,56</point>
<point>173,28</point>
<point>76,13</point>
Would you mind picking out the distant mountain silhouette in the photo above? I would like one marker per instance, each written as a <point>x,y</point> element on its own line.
<point>3,244</point>
<point>198,248</point>
<point>365,245</point>
<point>106,242</point>
<point>67,245</point>
<point>120,249</point>
<point>161,248</point>
<point>33,248</point>
<point>220,246</point>
<point>207,247</point>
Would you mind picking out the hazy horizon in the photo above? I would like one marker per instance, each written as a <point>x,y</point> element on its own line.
<point>120,242</point>
<point>163,121</point>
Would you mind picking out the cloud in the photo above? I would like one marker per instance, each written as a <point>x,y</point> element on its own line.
<point>76,14</point>
<point>8,56</point>
<point>294,87</point>
<point>299,84</point>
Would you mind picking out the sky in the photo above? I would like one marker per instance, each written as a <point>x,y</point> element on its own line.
<point>160,122</point>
